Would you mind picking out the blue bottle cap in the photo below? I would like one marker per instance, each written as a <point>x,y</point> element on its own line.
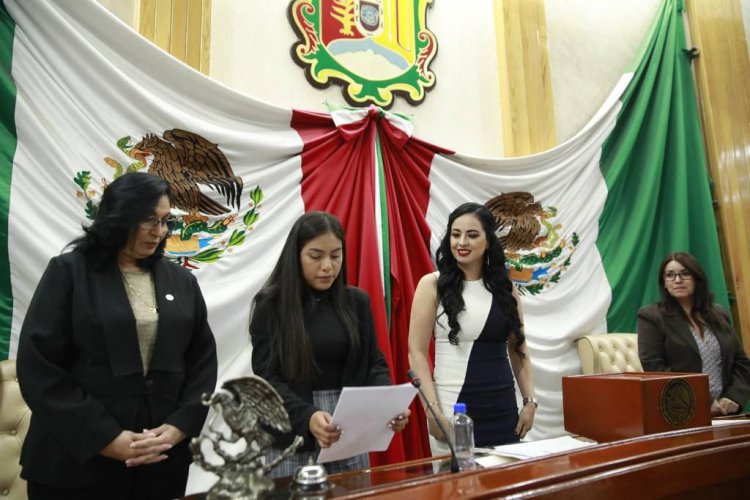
<point>459,408</point>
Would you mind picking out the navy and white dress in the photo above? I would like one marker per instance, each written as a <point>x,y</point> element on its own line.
<point>477,371</point>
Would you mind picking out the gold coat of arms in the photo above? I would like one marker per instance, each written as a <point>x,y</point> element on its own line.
<point>374,48</point>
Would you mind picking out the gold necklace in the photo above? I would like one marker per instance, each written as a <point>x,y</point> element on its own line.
<point>141,298</point>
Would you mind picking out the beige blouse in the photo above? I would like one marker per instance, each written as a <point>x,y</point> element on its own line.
<point>139,286</point>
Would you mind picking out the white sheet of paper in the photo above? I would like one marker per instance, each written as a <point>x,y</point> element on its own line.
<point>493,460</point>
<point>542,447</point>
<point>729,421</point>
<point>363,414</point>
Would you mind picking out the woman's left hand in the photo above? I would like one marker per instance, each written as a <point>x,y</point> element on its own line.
<point>155,439</point>
<point>400,421</point>
<point>525,420</point>
<point>729,406</point>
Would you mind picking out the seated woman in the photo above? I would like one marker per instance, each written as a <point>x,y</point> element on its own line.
<point>114,355</point>
<point>686,332</point>
<point>312,335</point>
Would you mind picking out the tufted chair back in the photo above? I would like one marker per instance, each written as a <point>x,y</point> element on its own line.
<point>609,353</point>
<point>14,423</point>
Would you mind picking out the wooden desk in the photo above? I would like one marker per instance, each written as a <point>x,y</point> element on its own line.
<point>705,462</point>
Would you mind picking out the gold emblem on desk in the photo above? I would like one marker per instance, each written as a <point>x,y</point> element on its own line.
<point>677,402</point>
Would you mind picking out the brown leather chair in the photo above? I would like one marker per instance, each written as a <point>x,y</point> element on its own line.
<point>609,353</point>
<point>14,423</point>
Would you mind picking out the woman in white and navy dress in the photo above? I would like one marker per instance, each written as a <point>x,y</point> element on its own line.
<point>473,309</point>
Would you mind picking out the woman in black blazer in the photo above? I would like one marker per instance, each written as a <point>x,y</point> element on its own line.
<point>114,354</point>
<point>312,334</point>
<point>687,332</point>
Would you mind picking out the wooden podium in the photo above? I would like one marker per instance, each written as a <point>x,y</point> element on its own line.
<point>608,407</point>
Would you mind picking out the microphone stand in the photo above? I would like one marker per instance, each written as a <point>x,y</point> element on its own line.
<point>416,382</point>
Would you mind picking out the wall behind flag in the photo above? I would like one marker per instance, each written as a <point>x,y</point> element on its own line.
<point>590,44</point>
<point>725,65</point>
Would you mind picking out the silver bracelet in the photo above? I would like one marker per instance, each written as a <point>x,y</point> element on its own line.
<point>532,400</point>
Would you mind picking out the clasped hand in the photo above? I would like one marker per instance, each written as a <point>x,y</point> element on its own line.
<point>723,406</point>
<point>326,433</point>
<point>142,448</point>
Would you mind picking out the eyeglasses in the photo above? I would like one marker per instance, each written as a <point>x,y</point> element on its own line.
<point>683,275</point>
<point>151,222</point>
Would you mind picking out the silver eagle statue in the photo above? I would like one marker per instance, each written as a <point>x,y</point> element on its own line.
<point>245,403</point>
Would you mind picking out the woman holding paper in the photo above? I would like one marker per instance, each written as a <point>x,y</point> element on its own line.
<point>312,334</point>
<point>474,311</point>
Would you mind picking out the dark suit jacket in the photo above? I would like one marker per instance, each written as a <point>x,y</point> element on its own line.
<point>365,366</point>
<point>666,344</point>
<point>80,371</point>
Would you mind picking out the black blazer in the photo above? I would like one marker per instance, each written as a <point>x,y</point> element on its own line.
<point>80,371</point>
<point>364,367</point>
<point>666,344</point>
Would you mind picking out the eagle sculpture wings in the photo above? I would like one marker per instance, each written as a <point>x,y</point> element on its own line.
<point>517,216</point>
<point>246,404</point>
<point>186,161</point>
<point>245,401</point>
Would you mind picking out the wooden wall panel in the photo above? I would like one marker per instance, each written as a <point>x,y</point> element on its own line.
<point>147,19</point>
<point>180,27</point>
<point>205,36</point>
<point>193,33</point>
<point>723,74</point>
<point>525,84</point>
<point>163,23</point>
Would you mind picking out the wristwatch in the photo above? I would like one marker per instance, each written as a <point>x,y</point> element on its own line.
<point>532,400</point>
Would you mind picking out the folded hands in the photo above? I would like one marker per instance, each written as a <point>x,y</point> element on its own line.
<point>142,448</point>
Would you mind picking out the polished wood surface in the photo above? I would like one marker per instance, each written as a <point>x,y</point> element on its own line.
<point>672,464</point>
<point>722,72</point>
<point>180,27</point>
<point>525,82</point>
<point>705,462</point>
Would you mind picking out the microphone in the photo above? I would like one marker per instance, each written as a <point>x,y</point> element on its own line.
<point>416,382</point>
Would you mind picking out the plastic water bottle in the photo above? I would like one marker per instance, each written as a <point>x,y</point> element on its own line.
<point>463,437</point>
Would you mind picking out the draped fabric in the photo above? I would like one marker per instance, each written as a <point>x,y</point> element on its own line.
<point>603,207</point>
<point>407,166</point>
<point>654,164</point>
<point>7,150</point>
<point>340,167</point>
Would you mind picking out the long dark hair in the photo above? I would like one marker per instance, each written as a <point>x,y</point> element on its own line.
<point>494,276</point>
<point>125,202</point>
<point>288,296</point>
<point>703,312</point>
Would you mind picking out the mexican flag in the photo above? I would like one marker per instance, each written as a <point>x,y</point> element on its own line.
<point>586,223</point>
